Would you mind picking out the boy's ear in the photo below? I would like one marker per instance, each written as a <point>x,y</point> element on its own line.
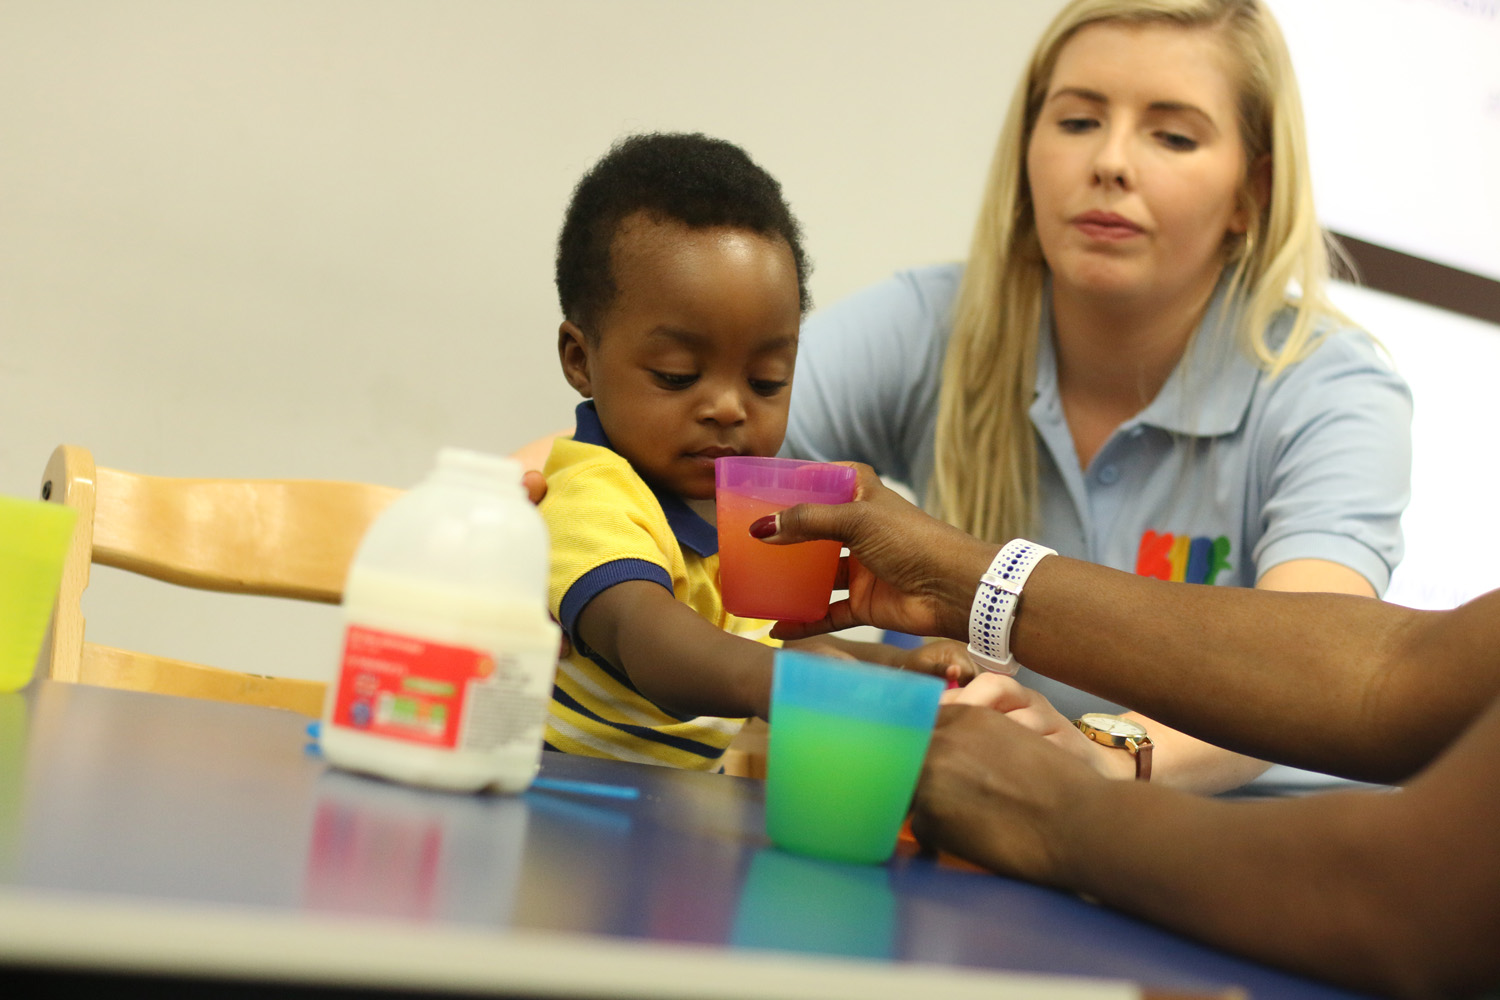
<point>573,352</point>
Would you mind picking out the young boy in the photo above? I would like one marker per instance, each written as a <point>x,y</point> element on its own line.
<point>682,281</point>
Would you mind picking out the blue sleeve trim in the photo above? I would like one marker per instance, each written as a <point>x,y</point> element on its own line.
<point>599,579</point>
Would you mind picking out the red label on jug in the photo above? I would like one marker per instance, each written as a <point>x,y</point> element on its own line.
<point>407,689</point>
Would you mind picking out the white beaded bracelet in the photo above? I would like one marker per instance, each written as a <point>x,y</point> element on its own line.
<point>994,609</point>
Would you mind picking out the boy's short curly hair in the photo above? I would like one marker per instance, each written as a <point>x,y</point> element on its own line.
<point>689,178</point>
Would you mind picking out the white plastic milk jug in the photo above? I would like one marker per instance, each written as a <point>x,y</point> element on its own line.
<point>448,654</point>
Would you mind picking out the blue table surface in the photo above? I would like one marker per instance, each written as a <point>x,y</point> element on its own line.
<point>115,792</point>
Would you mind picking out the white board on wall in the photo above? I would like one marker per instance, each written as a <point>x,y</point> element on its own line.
<point>1403,117</point>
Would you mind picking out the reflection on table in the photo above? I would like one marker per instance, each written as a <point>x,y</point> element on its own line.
<point>111,794</point>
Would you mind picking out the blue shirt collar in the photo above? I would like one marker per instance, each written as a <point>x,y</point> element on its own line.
<point>690,530</point>
<point>1207,394</point>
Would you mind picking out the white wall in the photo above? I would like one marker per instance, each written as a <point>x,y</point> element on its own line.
<point>1404,89</point>
<point>313,238</point>
<point>1452,364</point>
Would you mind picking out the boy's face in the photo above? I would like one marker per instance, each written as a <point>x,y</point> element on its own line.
<point>693,360</point>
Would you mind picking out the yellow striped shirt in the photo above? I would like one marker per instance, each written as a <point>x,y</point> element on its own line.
<point>608,526</point>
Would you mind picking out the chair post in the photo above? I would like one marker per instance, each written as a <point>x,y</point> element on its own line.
<point>69,480</point>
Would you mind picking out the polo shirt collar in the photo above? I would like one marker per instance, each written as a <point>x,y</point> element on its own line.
<point>1207,394</point>
<point>690,530</point>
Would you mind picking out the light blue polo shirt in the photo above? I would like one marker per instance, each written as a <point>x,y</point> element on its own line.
<point>1224,475</point>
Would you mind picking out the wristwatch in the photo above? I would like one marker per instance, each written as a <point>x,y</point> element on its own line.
<point>995,602</point>
<point>1113,731</point>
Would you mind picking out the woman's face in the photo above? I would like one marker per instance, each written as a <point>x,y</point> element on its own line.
<point>1135,164</point>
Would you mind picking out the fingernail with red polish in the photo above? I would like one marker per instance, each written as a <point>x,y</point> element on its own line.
<point>764,528</point>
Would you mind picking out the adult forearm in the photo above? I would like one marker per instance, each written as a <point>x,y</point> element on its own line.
<point>1332,682</point>
<point>1303,679</point>
<point>1334,886</point>
<point>1399,890</point>
<point>1187,763</point>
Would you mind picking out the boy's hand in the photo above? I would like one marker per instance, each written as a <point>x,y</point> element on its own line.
<point>535,483</point>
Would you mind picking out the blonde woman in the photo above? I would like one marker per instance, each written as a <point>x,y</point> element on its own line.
<point>1138,364</point>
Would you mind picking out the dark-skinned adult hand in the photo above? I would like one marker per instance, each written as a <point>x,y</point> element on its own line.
<point>993,792</point>
<point>906,571</point>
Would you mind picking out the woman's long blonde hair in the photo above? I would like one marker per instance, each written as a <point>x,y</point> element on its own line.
<point>985,478</point>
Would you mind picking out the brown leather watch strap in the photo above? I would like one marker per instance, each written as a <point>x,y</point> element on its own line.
<point>1141,750</point>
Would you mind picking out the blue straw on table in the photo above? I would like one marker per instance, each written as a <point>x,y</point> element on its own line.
<point>586,788</point>
<point>594,788</point>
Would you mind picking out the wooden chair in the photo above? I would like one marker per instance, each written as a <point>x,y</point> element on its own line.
<point>746,756</point>
<point>275,538</point>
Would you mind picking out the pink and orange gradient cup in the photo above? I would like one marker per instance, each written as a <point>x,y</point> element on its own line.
<point>779,582</point>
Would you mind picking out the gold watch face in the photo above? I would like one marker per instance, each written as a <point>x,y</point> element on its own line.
<point>1113,725</point>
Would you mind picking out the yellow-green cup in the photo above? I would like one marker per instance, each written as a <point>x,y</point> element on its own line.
<point>34,539</point>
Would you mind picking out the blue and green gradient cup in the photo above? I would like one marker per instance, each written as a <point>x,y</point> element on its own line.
<point>846,747</point>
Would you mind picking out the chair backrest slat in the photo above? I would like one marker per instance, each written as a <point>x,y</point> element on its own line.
<point>274,538</point>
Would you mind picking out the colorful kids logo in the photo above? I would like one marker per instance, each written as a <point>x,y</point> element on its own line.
<point>1181,559</point>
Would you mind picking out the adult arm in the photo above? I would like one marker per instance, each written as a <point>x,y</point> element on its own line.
<point>1331,467</point>
<point>1183,761</point>
<point>1330,476</point>
<point>1332,682</point>
<point>1392,891</point>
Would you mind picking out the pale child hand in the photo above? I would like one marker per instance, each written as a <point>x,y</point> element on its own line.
<point>535,483</point>
<point>1023,705</point>
<point>943,658</point>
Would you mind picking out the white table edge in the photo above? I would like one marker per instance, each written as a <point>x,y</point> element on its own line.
<point>95,933</point>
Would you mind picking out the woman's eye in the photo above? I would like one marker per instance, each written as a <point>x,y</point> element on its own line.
<point>768,387</point>
<point>674,380</point>
<point>1178,141</point>
<point>1076,125</point>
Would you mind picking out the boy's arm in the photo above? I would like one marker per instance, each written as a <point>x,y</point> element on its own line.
<point>673,655</point>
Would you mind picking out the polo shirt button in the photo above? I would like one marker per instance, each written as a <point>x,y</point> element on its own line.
<point>1109,475</point>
